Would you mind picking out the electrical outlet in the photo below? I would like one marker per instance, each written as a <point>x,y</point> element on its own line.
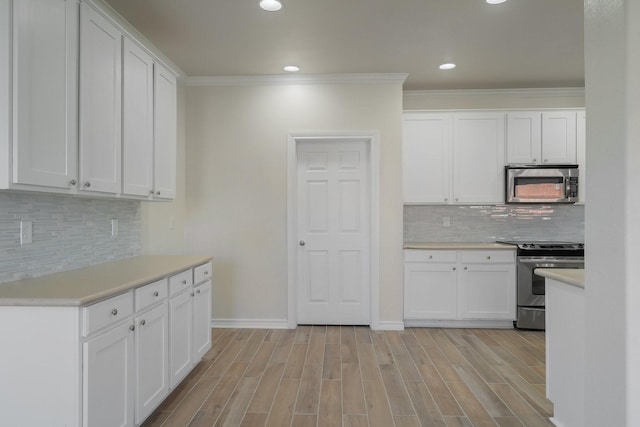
<point>26,232</point>
<point>114,227</point>
<point>446,221</point>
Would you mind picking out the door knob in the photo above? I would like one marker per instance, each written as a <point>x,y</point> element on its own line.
<point>302,243</point>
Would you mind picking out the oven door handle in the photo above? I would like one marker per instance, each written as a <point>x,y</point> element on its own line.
<point>550,260</point>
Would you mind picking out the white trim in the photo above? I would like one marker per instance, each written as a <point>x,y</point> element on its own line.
<point>389,326</point>
<point>519,93</point>
<point>555,422</point>
<point>493,324</point>
<point>373,139</point>
<point>309,79</point>
<point>250,323</point>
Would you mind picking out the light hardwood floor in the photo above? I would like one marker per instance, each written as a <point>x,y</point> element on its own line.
<point>352,376</point>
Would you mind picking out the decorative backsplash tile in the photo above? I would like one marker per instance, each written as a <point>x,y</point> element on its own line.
<point>491,223</point>
<point>68,233</point>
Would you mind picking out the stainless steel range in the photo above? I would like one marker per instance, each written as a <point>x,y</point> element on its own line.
<point>530,287</point>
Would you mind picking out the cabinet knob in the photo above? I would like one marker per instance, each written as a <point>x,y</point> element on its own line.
<point>73,182</point>
<point>546,160</point>
<point>87,184</point>
<point>457,199</point>
<point>454,269</point>
<point>206,272</point>
<point>132,327</point>
<point>446,199</point>
<point>198,291</point>
<point>143,322</point>
<point>155,294</point>
<point>157,193</point>
<point>535,160</point>
<point>192,294</point>
<point>114,312</point>
<point>430,256</point>
<point>184,282</point>
<point>302,243</point>
<point>465,268</point>
<point>488,257</point>
<point>151,192</point>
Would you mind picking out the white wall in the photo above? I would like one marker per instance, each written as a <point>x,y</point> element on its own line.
<point>236,184</point>
<point>612,214</point>
<point>493,98</point>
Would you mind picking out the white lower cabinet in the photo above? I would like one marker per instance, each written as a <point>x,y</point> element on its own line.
<point>108,378</point>
<point>202,320</point>
<point>180,329</point>
<point>463,287</point>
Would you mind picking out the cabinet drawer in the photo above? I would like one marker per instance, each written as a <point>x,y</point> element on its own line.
<point>150,294</point>
<point>202,272</point>
<point>476,257</point>
<point>180,282</point>
<point>105,313</point>
<point>421,255</point>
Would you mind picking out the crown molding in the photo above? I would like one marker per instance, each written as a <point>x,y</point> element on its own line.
<point>309,79</point>
<point>520,93</point>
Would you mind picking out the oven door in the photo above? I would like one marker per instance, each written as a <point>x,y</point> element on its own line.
<point>531,288</point>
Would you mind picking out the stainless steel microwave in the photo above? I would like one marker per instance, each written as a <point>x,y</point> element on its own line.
<point>541,184</point>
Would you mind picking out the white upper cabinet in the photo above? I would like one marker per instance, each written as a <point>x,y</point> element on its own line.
<point>541,137</point>
<point>100,102</point>
<point>478,157</point>
<point>453,157</point>
<point>44,142</point>
<point>137,120</point>
<point>165,133</point>
<point>426,157</point>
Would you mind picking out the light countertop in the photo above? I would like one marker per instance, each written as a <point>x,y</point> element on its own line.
<point>91,284</point>
<point>460,246</point>
<point>571,276</point>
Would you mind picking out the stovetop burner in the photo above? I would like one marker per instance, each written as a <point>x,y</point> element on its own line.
<point>547,247</point>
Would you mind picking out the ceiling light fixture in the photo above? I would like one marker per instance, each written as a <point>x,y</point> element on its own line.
<point>496,1</point>
<point>271,5</point>
<point>447,66</point>
<point>291,68</point>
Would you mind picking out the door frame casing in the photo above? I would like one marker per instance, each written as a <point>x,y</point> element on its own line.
<point>372,140</point>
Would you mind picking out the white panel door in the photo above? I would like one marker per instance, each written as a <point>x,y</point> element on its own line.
<point>45,143</point>
<point>165,133</point>
<point>426,157</point>
<point>524,137</point>
<point>137,120</point>
<point>333,220</point>
<point>559,137</point>
<point>100,102</point>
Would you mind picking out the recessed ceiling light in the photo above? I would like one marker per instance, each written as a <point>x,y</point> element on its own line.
<point>447,66</point>
<point>291,68</point>
<point>271,5</point>
<point>496,1</point>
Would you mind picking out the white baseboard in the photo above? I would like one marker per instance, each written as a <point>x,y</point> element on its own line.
<point>250,323</point>
<point>491,324</point>
<point>388,326</point>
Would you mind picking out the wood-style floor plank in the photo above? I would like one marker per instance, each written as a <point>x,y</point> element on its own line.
<point>354,377</point>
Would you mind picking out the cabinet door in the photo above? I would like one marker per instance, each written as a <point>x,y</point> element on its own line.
<point>45,115</point>
<point>426,157</point>
<point>201,320</point>
<point>137,120</point>
<point>524,137</point>
<point>478,157</point>
<point>100,102</point>
<point>165,133</point>
<point>430,291</point>
<point>152,360</point>
<point>559,137</point>
<point>108,378</point>
<point>180,337</point>
<point>488,291</point>
<point>581,151</point>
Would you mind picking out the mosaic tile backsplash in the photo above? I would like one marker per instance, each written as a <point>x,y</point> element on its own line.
<point>68,233</point>
<point>491,223</point>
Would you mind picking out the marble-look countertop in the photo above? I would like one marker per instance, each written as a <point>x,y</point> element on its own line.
<point>459,246</point>
<point>91,284</point>
<point>571,276</point>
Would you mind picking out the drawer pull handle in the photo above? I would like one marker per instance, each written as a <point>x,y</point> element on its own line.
<point>132,327</point>
<point>143,322</point>
<point>155,294</point>
<point>114,312</point>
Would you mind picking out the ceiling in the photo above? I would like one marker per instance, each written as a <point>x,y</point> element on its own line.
<point>517,44</point>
